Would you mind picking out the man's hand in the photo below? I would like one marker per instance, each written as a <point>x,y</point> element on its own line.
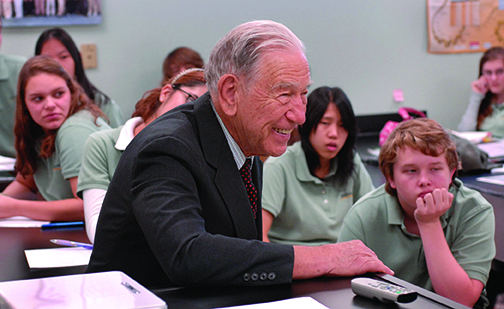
<point>433,205</point>
<point>353,258</point>
<point>342,259</point>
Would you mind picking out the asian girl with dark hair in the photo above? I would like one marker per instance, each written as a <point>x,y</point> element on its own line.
<point>57,44</point>
<point>308,190</point>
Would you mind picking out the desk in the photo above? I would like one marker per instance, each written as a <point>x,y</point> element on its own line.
<point>332,292</point>
<point>13,242</point>
<point>495,195</point>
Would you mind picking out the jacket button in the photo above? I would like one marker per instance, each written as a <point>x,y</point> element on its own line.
<point>271,276</point>
<point>263,276</point>
<point>246,277</point>
<point>254,277</point>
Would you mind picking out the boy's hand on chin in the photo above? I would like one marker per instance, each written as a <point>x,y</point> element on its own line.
<point>433,205</point>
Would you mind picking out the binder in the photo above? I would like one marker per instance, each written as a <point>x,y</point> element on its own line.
<point>109,290</point>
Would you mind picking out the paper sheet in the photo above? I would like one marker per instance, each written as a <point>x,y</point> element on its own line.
<point>19,221</point>
<point>7,164</point>
<point>398,95</point>
<point>374,151</point>
<point>496,180</point>
<point>292,303</point>
<point>57,257</point>
<point>102,290</point>
<point>494,149</point>
<point>474,136</point>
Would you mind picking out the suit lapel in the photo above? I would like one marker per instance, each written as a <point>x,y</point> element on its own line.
<point>227,177</point>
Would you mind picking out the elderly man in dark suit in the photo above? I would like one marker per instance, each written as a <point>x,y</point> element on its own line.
<point>183,207</point>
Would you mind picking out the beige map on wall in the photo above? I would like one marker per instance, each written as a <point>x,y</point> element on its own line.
<point>464,26</point>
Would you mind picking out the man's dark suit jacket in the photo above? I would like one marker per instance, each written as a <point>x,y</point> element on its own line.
<point>177,213</point>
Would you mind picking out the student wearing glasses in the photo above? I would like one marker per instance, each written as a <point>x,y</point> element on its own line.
<point>485,110</point>
<point>103,151</point>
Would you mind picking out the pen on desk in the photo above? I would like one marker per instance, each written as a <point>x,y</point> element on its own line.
<point>71,243</point>
<point>56,225</point>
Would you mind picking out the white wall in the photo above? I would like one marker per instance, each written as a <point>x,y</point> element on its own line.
<point>368,48</point>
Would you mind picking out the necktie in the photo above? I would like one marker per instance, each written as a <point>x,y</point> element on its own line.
<point>249,185</point>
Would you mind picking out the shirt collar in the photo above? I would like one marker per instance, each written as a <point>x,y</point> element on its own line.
<point>302,170</point>
<point>238,154</point>
<point>127,133</point>
<point>498,106</point>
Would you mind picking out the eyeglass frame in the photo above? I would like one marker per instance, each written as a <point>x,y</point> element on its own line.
<point>190,97</point>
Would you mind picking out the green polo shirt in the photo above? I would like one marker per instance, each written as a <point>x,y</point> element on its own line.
<point>102,152</point>
<point>53,173</point>
<point>469,227</point>
<point>9,72</point>
<point>495,121</point>
<point>111,110</point>
<point>99,160</point>
<point>307,210</point>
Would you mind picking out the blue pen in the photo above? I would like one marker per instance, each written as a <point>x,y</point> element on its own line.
<point>56,225</point>
<point>71,243</point>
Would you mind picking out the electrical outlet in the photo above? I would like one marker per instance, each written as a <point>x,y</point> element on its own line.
<point>88,54</point>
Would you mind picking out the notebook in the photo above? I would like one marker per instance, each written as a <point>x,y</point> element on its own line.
<point>494,149</point>
<point>109,290</point>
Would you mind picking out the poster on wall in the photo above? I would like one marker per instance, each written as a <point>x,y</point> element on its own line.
<point>464,26</point>
<point>30,13</point>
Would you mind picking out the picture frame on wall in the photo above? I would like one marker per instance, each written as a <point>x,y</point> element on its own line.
<point>31,13</point>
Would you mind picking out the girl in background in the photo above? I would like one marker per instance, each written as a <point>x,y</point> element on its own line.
<point>57,44</point>
<point>180,59</point>
<point>485,110</point>
<point>53,118</point>
<point>309,189</point>
<point>103,150</point>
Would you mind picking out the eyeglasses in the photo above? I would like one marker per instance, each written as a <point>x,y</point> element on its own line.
<point>190,97</point>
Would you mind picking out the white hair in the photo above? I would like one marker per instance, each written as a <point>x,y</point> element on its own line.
<point>240,51</point>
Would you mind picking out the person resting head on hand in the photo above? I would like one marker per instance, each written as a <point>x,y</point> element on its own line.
<point>485,109</point>
<point>424,223</point>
